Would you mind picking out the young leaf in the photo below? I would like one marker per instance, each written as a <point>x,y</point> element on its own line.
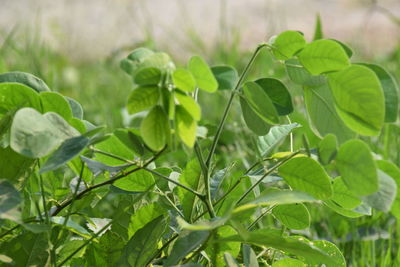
<point>148,76</point>
<point>278,93</point>
<point>323,56</point>
<point>55,102</point>
<point>190,105</point>
<point>276,135</point>
<point>143,245</point>
<point>186,126</point>
<point>327,149</point>
<point>226,76</point>
<point>357,167</point>
<point>383,199</point>
<point>307,175</point>
<point>287,44</point>
<point>293,216</point>
<point>252,120</point>
<point>318,34</point>
<point>343,196</point>
<point>184,80</point>
<point>155,129</point>
<point>24,78</point>
<point>143,98</point>
<point>260,102</point>
<point>359,99</point>
<point>204,77</point>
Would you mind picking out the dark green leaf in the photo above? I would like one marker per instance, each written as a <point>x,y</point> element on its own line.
<point>278,93</point>
<point>24,78</point>
<point>226,76</point>
<point>252,120</point>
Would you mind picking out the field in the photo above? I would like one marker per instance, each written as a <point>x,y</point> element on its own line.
<point>279,153</point>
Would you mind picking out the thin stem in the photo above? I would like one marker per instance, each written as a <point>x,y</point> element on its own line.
<point>9,231</point>
<point>266,174</point>
<point>259,217</point>
<point>229,105</point>
<point>46,214</point>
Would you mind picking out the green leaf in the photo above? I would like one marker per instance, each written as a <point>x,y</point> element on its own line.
<point>249,256</point>
<point>342,211</point>
<point>293,216</point>
<point>190,105</point>
<point>130,140</point>
<point>35,135</point>
<point>113,145</point>
<point>218,251</point>
<point>155,129</point>
<point>106,252</point>
<point>142,246</point>
<point>276,198</point>
<point>390,91</point>
<point>327,149</point>
<point>148,76</point>
<point>143,98</point>
<point>322,113</point>
<point>13,165</point>
<point>68,150</point>
<point>333,251</point>
<point>252,120</point>
<point>24,78</point>
<point>202,73</point>
<point>157,60</point>
<point>357,167</point>
<point>186,243</point>
<point>76,108</point>
<point>15,96</point>
<point>143,216</point>
<point>226,76</point>
<point>230,260</point>
<point>347,49</point>
<point>68,248</point>
<point>278,93</point>
<point>270,238</point>
<point>289,262</point>
<point>9,201</point>
<point>383,199</point>
<point>323,56</point>
<point>56,103</point>
<point>318,34</point>
<point>130,64</point>
<point>202,225</point>
<point>138,181</point>
<point>359,99</point>
<point>260,102</point>
<point>276,135</point>
<point>307,175</point>
<point>393,171</point>
<point>184,80</point>
<point>343,196</point>
<point>186,126</point>
<point>299,75</point>
<point>287,44</point>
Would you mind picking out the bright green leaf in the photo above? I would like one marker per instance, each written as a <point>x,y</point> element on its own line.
<point>186,126</point>
<point>293,216</point>
<point>202,73</point>
<point>190,105</point>
<point>143,98</point>
<point>184,80</point>
<point>55,102</point>
<point>287,44</point>
<point>155,129</point>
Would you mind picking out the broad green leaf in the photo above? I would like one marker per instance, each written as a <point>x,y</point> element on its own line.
<point>143,216</point>
<point>393,171</point>
<point>343,196</point>
<point>390,91</point>
<point>14,96</point>
<point>202,73</point>
<point>190,105</point>
<point>143,98</point>
<point>332,250</point>
<point>148,76</point>
<point>293,216</point>
<point>276,198</point>
<point>287,44</point>
<point>307,175</point>
<point>155,129</point>
<point>13,165</point>
<point>276,135</point>
<point>76,108</point>
<point>252,120</point>
<point>186,126</point>
<point>327,148</point>
<point>186,243</point>
<point>226,76</point>
<point>69,149</point>
<point>218,252</point>
<point>184,80</point>
<point>347,49</point>
<point>190,177</point>
<point>318,33</point>
<point>138,181</point>
<point>260,102</point>
<point>106,252</point>
<point>270,238</point>
<point>35,135</point>
<point>323,115</point>
<point>249,256</point>
<point>383,199</point>
<point>130,140</point>
<point>323,56</point>
<point>299,75</point>
<point>27,249</point>
<point>113,145</point>
<point>24,78</point>
<point>142,246</point>
<point>230,260</point>
<point>359,99</point>
<point>289,262</point>
<point>278,93</point>
<point>357,167</point>
<point>55,102</point>
<point>68,248</point>
<point>10,199</point>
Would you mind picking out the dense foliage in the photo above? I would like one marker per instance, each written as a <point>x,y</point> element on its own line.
<point>163,191</point>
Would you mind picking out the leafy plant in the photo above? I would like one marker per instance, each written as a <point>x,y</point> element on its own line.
<point>73,195</point>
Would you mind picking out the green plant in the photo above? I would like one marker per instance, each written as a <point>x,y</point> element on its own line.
<point>73,195</point>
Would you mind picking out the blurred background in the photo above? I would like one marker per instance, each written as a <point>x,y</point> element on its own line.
<point>75,46</point>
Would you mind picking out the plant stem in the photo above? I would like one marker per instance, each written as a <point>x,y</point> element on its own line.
<point>46,214</point>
